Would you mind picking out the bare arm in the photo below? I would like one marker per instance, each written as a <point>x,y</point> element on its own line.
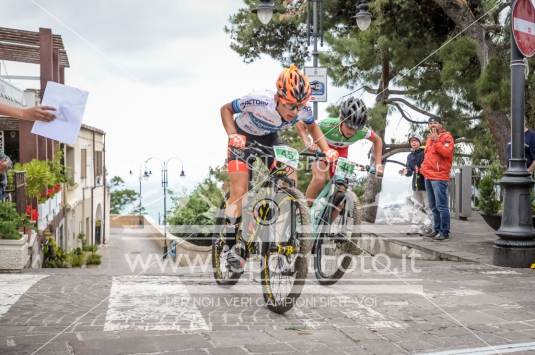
<point>531,168</point>
<point>377,148</point>
<point>302,131</point>
<point>38,113</point>
<point>227,117</point>
<point>318,136</point>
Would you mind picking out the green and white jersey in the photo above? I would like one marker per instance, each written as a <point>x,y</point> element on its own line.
<point>334,137</point>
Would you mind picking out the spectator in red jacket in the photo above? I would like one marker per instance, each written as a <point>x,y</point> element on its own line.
<point>436,169</point>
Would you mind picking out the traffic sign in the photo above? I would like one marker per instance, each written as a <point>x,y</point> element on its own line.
<point>318,83</point>
<point>524,26</point>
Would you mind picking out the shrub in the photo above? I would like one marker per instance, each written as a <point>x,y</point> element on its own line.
<point>91,248</point>
<point>10,221</point>
<point>54,256</point>
<point>93,259</point>
<point>488,201</point>
<point>75,259</point>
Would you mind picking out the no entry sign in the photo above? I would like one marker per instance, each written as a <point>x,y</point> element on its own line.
<point>524,26</point>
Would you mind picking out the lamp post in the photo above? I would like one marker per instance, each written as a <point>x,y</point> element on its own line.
<point>165,184</point>
<point>265,11</point>
<point>363,16</point>
<point>143,174</point>
<point>516,245</point>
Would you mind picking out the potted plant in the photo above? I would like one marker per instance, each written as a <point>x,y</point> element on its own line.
<point>13,242</point>
<point>488,203</point>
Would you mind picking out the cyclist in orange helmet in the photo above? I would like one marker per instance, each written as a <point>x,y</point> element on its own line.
<point>259,117</point>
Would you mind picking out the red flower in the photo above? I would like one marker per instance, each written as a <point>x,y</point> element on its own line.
<point>50,192</point>
<point>32,213</point>
<point>35,215</point>
<point>57,188</point>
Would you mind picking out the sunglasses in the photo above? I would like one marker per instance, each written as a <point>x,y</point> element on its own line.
<point>292,107</point>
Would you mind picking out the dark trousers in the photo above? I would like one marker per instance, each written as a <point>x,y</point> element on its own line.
<point>437,195</point>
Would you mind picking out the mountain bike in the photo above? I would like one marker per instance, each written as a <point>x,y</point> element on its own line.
<point>333,214</point>
<point>273,220</point>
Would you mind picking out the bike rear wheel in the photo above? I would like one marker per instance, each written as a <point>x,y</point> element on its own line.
<point>284,264</point>
<point>223,275</point>
<point>334,244</point>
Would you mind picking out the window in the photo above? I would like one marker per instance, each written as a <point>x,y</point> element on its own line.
<point>98,163</point>
<point>69,160</point>
<point>83,163</point>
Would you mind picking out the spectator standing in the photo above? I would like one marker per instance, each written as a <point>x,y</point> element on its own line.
<point>413,166</point>
<point>529,149</point>
<point>5,165</point>
<point>436,169</point>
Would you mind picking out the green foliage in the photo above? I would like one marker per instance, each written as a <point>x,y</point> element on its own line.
<point>377,116</point>
<point>75,258</point>
<point>56,168</point>
<point>38,178</point>
<point>92,248</point>
<point>10,221</point>
<point>93,259</point>
<point>54,256</point>
<point>488,201</point>
<point>494,85</point>
<point>121,197</point>
<point>359,188</point>
<point>201,206</point>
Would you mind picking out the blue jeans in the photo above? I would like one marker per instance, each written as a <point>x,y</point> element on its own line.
<point>437,195</point>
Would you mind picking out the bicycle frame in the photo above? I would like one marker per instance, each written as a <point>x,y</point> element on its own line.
<point>253,225</point>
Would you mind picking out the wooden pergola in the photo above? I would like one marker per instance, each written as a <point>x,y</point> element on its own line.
<point>46,50</point>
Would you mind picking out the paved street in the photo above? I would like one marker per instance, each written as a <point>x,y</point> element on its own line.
<point>381,307</point>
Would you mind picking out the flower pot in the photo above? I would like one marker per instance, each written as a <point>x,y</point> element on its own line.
<point>14,253</point>
<point>495,220</point>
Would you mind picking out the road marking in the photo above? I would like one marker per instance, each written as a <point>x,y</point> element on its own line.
<point>10,342</point>
<point>387,303</point>
<point>151,303</point>
<point>13,286</point>
<point>489,350</point>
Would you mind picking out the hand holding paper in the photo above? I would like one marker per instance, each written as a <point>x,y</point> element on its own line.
<point>70,104</point>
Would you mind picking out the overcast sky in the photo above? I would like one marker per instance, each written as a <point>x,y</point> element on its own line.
<point>157,73</point>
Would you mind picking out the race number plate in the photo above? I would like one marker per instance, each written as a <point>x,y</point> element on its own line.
<point>345,169</point>
<point>286,155</point>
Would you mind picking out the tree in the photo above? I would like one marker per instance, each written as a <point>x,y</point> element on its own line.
<point>414,58</point>
<point>201,206</point>
<point>120,197</point>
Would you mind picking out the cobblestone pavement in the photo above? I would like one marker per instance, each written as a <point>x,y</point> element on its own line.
<point>400,308</point>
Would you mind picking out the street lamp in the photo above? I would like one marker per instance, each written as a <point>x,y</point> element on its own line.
<point>363,16</point>
<point>516,245</point>
<point>143,174</point>
<point>165,184</point>
<point>265,10</point>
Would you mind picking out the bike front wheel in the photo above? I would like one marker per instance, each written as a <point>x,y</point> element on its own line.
<point>334,245</point>
<point>284,255</point>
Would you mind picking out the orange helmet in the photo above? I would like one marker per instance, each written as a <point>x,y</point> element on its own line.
<point>293,86</point>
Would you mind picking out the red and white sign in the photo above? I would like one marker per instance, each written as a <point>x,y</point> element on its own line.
<point>524,26</point>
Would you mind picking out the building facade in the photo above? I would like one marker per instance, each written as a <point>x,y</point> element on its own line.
<point>87,199</point>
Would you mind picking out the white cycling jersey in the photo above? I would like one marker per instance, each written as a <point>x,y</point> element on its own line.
<point>258,114</point>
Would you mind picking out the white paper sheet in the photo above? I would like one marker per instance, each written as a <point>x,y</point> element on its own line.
<point>70,104</point>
